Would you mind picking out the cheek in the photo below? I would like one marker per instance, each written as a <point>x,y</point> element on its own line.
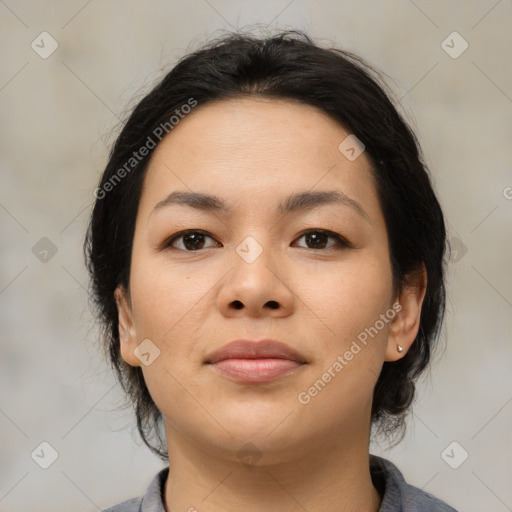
<point>351,297</point>
<point>352,338</point>
<point>163,297</point>
<point>166,304</point>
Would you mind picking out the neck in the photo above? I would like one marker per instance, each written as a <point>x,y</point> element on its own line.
<point>329,475</point>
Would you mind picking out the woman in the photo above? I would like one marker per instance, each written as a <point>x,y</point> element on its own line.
<point>266,253</point>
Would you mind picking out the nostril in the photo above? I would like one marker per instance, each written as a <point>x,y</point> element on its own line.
<point>272,304</point>
<point>237,304</point>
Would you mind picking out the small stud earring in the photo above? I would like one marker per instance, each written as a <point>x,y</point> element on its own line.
<point>399,348</point>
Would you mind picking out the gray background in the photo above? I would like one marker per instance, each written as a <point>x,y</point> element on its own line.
<point>60,113</point>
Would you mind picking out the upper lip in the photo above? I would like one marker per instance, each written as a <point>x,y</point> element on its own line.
<point>246,349</point>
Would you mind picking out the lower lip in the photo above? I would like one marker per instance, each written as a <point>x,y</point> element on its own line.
<point>256,370</point>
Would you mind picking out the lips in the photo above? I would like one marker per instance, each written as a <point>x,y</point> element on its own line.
<point>264,349</point>
<point>255,362</point>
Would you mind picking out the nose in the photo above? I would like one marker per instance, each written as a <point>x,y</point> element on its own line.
<point>256,287</point>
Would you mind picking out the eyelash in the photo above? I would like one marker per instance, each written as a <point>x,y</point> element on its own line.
<point>341,242</point>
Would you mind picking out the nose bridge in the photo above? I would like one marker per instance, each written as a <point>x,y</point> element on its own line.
<point>254,261</point>
<point>250,249</point>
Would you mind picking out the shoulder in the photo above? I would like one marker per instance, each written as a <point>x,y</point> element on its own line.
<point>152,500</point>
<point>132,505</point>
<point>416,499</point>
<point>398,495</point>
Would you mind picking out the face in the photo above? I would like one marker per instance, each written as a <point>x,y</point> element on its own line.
<point>313,274</point>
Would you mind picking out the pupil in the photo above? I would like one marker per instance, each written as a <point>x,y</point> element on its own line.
<point>196,241</point>
<point>314,238</point>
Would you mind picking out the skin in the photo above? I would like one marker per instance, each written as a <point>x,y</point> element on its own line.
<point>252,153</point>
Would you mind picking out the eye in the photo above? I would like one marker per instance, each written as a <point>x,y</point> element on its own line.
<point>190,240</point>
<point>194,239</point>
<point>318,238</point>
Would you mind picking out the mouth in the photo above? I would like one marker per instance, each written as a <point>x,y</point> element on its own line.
<point>256,361</point>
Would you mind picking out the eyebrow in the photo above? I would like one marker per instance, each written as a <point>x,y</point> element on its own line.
<point>302,201</point>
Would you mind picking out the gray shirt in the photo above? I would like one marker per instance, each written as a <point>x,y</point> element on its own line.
<point>397,494</point>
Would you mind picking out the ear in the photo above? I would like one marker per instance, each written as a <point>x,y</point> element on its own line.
<point>127,333</point>
<point>405,325</point>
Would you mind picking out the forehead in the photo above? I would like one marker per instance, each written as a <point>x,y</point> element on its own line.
<point>243,126</point>
<point>255,148</point>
